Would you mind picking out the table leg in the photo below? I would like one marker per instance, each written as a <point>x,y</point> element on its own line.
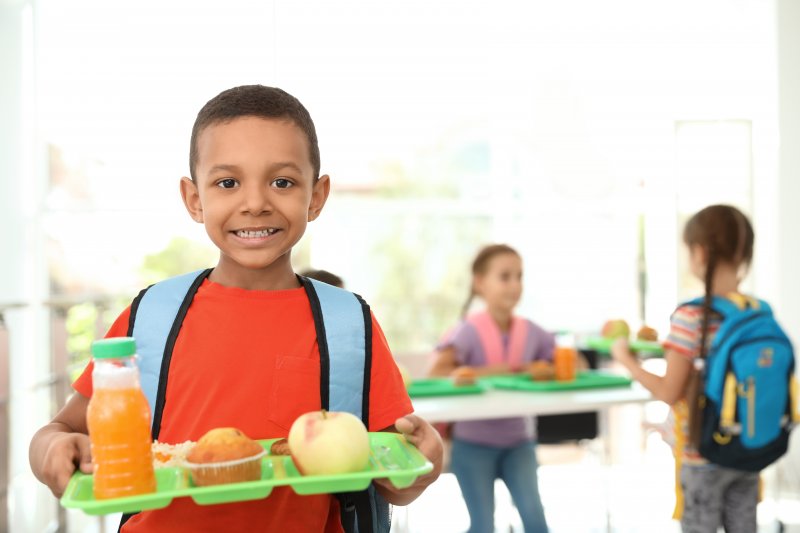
<point>605,460</point>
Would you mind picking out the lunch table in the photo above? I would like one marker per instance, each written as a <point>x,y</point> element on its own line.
<point>494,403</point>
<point>504,403</point>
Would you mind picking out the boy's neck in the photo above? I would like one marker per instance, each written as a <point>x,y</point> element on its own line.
<point>277,276</point>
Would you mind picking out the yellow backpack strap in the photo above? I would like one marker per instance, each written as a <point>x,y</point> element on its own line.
<point>744,301</point>
<point>728,414</point>
<point>680,442</point>
<point>793,398</point>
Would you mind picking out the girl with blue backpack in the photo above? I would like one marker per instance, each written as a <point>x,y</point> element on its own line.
<point>729,380</point>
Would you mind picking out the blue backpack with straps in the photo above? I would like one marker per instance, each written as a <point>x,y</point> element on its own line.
<point>750,391</point>
<point>343,324</point>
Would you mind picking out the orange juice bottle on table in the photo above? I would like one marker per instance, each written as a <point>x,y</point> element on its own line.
<point>565,358</point>
<point>118,417</point>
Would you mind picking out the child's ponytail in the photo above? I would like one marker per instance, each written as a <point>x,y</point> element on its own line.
<point>465,308</point>
<point>695,395</point>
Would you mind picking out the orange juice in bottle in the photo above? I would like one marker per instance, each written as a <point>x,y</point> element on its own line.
<point>118,417</point>
<point>565,358</point>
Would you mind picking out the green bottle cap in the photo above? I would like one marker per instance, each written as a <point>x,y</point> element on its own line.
<point>114,347</point>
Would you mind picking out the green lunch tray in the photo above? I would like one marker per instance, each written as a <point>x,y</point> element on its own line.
<point>603,345</point>
<point>391,457</point>
<point>583,380</point>
<point>421,388</point>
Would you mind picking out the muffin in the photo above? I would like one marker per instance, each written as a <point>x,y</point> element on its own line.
<point>463,376</point>
<point>224,455</point>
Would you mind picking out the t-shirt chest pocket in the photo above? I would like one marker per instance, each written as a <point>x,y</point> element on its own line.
<point>295,389</point>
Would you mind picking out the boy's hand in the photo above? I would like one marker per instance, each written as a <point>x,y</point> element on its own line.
<point>422,435</point>
<point>65,451</point>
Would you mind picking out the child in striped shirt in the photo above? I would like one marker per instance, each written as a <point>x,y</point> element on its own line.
<point>720,241</point>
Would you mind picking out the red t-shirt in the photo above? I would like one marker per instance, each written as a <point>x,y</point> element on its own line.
<point>249,359</point>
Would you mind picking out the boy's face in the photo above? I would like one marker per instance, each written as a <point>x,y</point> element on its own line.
<point>255,192</point>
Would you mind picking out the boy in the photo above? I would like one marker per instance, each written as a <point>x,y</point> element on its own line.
<point>246,355</point>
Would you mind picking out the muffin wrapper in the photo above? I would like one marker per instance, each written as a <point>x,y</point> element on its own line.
<point>234,471</point>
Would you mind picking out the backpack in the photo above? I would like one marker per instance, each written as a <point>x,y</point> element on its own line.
<point>343,324</point>
<point>750,392</point>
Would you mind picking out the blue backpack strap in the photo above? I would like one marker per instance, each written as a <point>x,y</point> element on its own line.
<point>727,307</point>
<point>344,336</point>
<point>156,317</point>
<point>155,320</point>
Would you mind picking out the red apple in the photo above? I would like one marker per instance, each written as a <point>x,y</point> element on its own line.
<point>324,443</point>
<point>614,329</point>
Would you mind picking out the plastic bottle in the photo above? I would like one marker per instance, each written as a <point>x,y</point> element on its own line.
<point>565,357</point>
<point>118,417</point>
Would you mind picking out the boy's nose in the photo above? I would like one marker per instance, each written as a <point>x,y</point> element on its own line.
<point>257,200</point>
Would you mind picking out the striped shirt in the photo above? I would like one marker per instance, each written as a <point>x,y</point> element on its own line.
<point>685,331</point>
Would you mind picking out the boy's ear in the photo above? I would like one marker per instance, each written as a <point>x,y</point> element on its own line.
<point>319,195</point>
<point>191,199</point>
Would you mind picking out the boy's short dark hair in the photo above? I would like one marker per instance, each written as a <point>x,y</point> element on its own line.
<point>255,101</point>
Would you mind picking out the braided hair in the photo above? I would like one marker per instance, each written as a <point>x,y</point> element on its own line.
<point>480,265</point>
<point>726,236</point>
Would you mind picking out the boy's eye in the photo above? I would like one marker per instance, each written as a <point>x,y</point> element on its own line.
<point>281,183</point>
<point>227,183</point>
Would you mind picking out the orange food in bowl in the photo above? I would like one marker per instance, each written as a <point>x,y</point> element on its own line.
<point>541,371</point>
<point>224,455</point>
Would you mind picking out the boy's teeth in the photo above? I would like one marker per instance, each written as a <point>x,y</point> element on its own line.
<point>255,234</point>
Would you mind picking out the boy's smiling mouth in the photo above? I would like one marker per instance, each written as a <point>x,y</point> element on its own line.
<point>255,233</point>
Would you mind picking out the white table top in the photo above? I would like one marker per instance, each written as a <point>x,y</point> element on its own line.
<point>504,403</point>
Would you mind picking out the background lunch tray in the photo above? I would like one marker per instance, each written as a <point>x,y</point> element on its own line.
<point>421,388</point>
<point>603,345</point>
<point>587,379</point>
<point>391,457</point>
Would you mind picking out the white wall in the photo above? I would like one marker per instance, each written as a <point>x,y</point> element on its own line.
<point>788,16</point>
<point>22,275</point>
<point>788,212</point>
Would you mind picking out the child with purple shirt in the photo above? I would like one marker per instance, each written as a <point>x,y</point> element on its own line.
<point>495,341</point>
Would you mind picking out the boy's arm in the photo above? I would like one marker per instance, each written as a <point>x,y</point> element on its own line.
<point>61,446</point>
<point>422,435</point>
